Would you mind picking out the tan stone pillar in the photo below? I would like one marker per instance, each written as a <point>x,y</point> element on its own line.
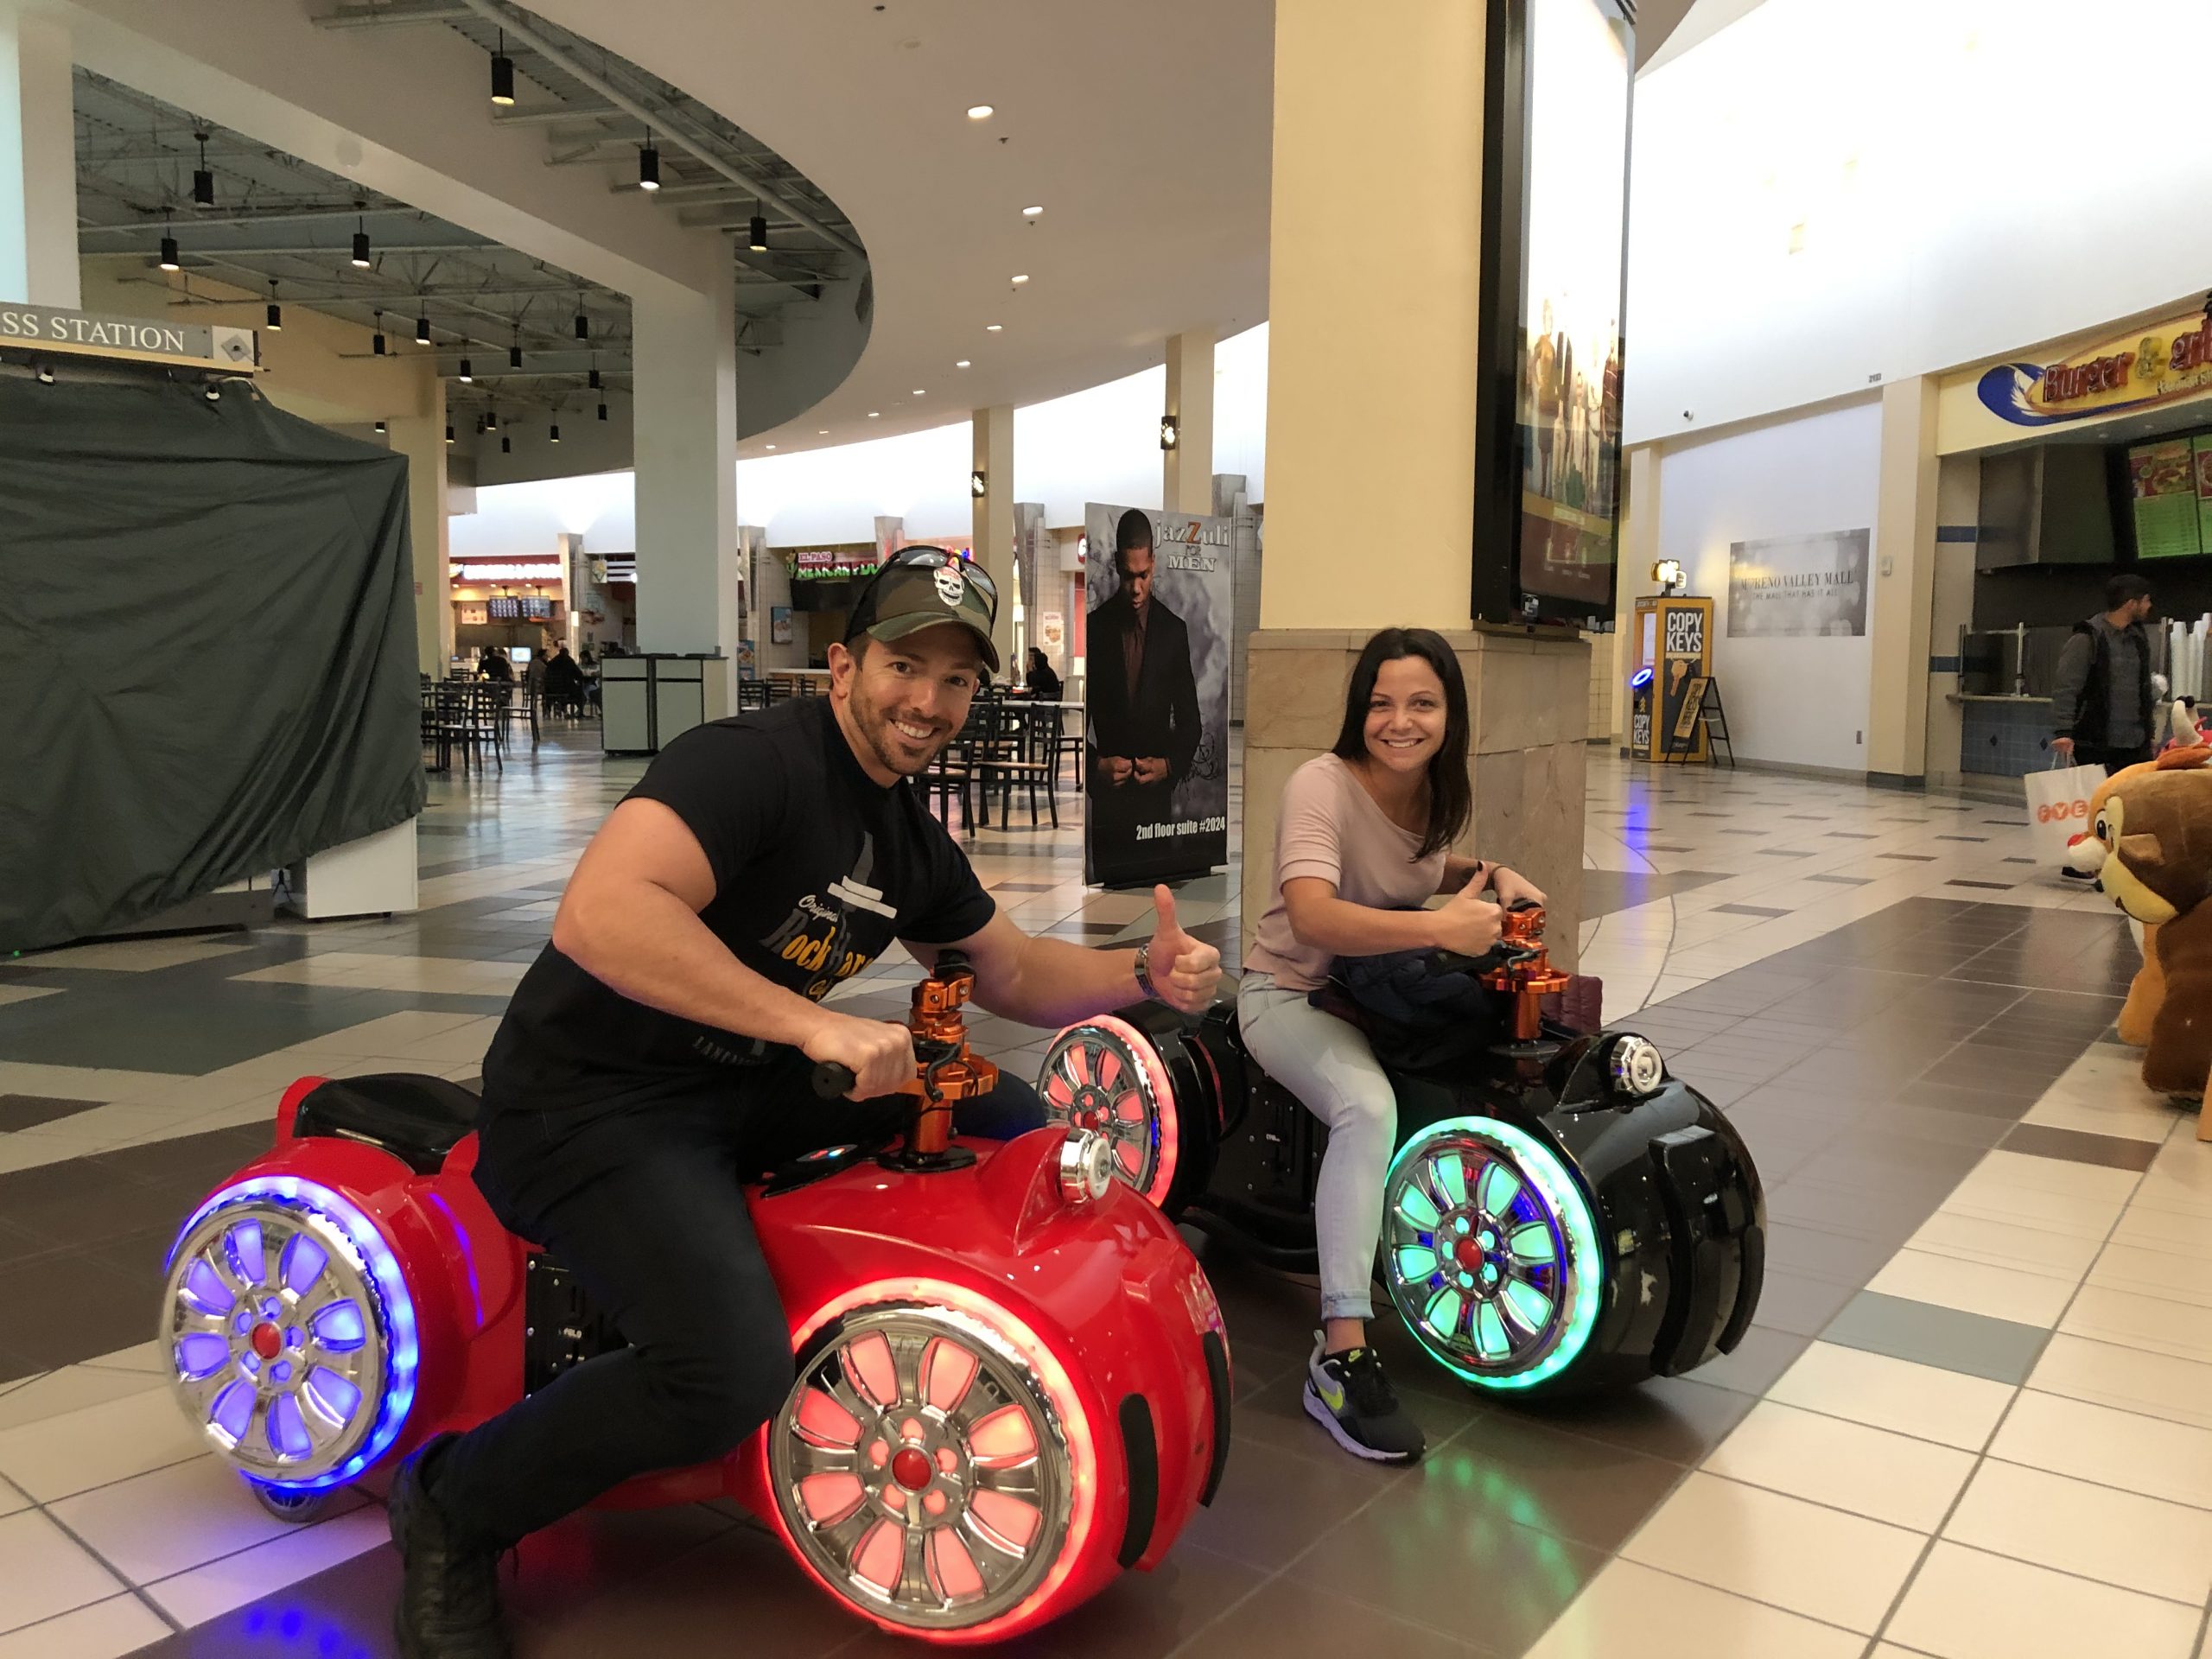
<point>992,531</point>
<point>1371,436</point>
<point>38,135</point>
<point>1633,575</point>
<point>1186,471</point>
<point>422,438</point>
<point>1903,580</point>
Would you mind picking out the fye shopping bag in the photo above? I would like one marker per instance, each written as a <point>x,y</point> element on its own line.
<point>2058,809</point>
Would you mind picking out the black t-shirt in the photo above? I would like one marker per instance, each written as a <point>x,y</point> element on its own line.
<point>816,869</point>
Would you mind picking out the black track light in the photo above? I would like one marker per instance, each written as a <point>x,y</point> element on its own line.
<point>381,427</point>
<point>203,181</point>
<point>593,384</point>
<point>361,243</point>
<point>503,73</point>
<point>557,431</point>
<point>376,340</point>
<point>602,411</point>
<point>491,419</point>
<point>421,331</point>
<point>276,311</point>
<point>583,322</point>
<point>514,356</point>
<point>448,431</point>
<point>214,394</point>
<point>506,445</point>
<point>45,375</point>
<point>467,373</point>
<point>648,166</point>
<point>756,235</point>
<point>169,261</point>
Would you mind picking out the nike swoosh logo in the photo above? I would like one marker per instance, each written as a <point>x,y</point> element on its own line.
<point>1333,1395</point>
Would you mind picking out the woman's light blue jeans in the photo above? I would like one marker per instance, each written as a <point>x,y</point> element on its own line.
<point>1328,1065</point>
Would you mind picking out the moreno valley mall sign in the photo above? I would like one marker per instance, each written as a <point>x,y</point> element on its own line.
<point>47,328</point>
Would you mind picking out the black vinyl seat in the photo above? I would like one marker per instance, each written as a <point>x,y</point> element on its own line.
<point>416,1119</point>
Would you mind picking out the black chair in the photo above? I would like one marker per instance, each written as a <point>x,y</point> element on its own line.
<point>752,694</point>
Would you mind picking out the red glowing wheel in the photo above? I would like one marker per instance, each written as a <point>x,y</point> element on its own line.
<point>1105,1075</point>
<point>933,1469</point>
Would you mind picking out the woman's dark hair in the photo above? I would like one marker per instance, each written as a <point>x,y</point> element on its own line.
<point>1451,798</point>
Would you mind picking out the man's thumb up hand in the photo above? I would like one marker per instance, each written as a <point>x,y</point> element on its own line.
<point>1184,972</point>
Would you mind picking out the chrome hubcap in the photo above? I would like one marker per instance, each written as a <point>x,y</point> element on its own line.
<point>920,1469</point>
<point>273,1329</point>
<point>1091,1082</point>
<point>1475,1256</point>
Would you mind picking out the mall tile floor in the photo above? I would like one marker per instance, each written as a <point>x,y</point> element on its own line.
<point>1973,1419</point>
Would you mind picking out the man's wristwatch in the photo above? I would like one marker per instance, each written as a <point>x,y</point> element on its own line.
<point>1144,972</point>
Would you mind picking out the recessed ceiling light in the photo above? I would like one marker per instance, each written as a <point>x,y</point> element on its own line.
<point>873,413</point>
<point>1021,279</point>
<point>918,392</point>
<point>992,328</point>
<point>770,446</point>
<point>979,112</point>
<point>1031,212</point>
<point>820,431</point>
<point>961,364</point>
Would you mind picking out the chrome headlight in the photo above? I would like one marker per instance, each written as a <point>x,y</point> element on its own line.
<point>1086,1166</point>
<point>1637,1067</point>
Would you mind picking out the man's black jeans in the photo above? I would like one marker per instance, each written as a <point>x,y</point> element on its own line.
<point>645,1207</point>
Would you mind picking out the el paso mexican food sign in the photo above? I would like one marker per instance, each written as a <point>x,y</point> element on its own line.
<point>2164,363</point>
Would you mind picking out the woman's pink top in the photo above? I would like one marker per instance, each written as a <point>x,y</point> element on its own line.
<point>1332,828</point>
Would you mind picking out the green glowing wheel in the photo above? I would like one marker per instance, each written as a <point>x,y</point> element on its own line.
<point>1490,1253</point>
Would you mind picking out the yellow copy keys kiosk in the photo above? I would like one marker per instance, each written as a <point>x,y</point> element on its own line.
<point>1674,658</point>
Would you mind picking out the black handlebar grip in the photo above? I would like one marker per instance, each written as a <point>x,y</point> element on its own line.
<point>1520,904</point>
<point>833,1080</point>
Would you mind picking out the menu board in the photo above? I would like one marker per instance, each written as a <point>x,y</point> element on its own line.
<point>2162,479</point>
<point>504,610</point>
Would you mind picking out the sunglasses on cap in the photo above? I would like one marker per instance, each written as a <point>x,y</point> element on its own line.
<point>903,597</point>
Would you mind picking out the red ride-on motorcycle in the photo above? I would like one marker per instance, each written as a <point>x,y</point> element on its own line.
<point>1012,1379</point>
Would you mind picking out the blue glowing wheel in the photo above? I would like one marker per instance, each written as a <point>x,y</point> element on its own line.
<point>291,1337</point>
<point>1490,1253</point>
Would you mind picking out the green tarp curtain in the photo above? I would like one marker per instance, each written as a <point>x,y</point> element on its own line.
<point>207,648</point>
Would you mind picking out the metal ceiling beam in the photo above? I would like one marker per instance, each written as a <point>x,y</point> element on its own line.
<point>413,297</point>
<point>675,128</point>
<point>422,11</point>
<point>540,118</point>
<point>273,251</point>
<point>191,221</point>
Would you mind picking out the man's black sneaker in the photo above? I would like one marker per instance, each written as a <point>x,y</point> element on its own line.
<point>1348,1394</point>
<point>449,1593</point>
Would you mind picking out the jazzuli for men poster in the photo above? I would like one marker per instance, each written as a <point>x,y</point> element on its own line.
<point>1799,587</point>
<point>1156,695</point>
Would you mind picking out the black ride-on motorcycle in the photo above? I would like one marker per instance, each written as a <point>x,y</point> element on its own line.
<point>1561,1214</point>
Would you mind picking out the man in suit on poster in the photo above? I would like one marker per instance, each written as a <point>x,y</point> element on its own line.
<point>1143,695</point>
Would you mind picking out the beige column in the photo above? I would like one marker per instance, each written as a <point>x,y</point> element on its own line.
<point>992,531</point>
<point>1903,579</point>
<point>1186,471</point>
<point>1633,575</point>
<point>38,135</point>
<point>422,438</point>
<point>1372,435</point>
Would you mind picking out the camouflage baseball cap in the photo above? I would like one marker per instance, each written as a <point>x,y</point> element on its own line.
<point>918,587</point>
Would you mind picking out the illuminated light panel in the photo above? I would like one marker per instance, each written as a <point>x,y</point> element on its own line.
<point>1451,1176</point>
<point>947,1371</point>
<point>302,1264</point>
<point>871,1369</point>
<point>200,1355</point>
<point>402,1363</point>
<point>953,1573</point>
<point>1005,1515</point>
<point>335,1396</point>
<point>206,1287</point>
<point>824,1421</point>
<point>243,1244</point>
<point>1490,1338</point>
<point>1004,1437</point>
<point>1130,1060</point>
<point>1416,1208</point>
<point>233,1409</point>
<point>1109,1069</point>
<point>1499,1189</point>
<point>1531,1243</point>
<point>1416,1263</point>
<point>287,1432</point>
<point>829,1498</point>
<point>1532,1306</point>
<point>339,1327</point>
<point>1444,1309</point>
<point>1060,1393</point>
<point>877,1559</point>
